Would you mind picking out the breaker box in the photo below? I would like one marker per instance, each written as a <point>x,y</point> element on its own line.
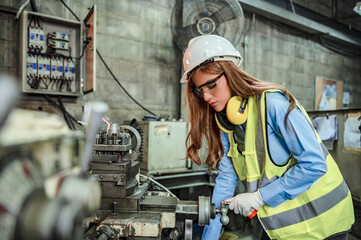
<point>57,55</point>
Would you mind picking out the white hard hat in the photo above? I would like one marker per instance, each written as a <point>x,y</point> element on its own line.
<point>208,48</point>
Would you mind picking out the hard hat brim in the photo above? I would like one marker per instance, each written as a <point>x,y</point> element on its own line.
<point>184,78</point>
<point>237,60</point>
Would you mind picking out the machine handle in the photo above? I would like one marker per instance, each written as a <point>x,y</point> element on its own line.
<point>254,213</point>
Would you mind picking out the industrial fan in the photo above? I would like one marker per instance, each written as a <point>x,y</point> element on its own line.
<point>192,18</point>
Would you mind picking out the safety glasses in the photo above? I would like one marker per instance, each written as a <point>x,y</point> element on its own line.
<point>199,92</point>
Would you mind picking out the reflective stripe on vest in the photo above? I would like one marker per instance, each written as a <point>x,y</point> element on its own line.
<point>309,210</point>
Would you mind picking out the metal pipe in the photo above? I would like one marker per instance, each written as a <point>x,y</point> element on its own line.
<point>245,40</point>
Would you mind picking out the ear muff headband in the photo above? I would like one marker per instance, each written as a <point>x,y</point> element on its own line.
<point>237,110</point>
<point>223,123</point>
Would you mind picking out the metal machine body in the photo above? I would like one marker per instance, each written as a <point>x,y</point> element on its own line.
<point>42,196</point>
<point>131,207</point>
<point>164,140</point>
<point>47,193</point>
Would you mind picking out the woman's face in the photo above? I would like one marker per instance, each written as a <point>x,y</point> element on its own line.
<point>213,87</point>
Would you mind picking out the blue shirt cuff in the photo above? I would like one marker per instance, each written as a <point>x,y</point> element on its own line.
<point>273,194</point>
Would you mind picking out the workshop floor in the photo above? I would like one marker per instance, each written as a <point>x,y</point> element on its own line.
<point>235,236</point>
<point>226,235</point>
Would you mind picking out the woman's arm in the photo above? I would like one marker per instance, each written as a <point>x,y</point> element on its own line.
<point>300,141</point>
<point>226,182</point>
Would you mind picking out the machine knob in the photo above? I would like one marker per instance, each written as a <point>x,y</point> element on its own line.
<point>224,211</point>
<point>224,219</point>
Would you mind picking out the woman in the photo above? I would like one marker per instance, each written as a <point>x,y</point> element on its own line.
<point>268,142</point>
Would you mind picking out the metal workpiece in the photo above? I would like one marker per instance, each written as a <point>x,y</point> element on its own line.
<point>113,129</point>
<point>206,210</point>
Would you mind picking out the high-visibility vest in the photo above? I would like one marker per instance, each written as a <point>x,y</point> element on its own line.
<point>323,210</point>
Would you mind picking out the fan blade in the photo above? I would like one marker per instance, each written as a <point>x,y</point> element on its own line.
<point>223,14</point>
<point>190,30</point>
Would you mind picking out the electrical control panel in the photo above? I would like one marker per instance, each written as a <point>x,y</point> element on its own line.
<point>57,55</point>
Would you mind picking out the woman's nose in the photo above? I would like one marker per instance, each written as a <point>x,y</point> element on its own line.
<point>206,96</point>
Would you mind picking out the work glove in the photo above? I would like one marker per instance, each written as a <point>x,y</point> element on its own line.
<point>245,203</point>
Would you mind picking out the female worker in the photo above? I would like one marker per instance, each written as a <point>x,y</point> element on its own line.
<point>266,141</point>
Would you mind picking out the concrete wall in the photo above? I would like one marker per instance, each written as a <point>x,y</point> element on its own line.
<point>345,157</point>
<point>282,54</point>
<point>348,162</point>
<point>343,14</point>
<point>134,38</point>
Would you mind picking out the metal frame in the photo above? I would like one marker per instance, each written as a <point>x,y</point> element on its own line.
<point>79,64</point>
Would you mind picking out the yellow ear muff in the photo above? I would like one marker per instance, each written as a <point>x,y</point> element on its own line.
<point>223,123</point>
<point>237,110</point>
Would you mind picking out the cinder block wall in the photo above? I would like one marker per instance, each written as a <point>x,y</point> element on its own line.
<point>273,53</point>
<point>344,12</point>
<point>134,37</point>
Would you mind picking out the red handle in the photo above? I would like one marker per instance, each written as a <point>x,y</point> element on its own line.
<point>254,213</point>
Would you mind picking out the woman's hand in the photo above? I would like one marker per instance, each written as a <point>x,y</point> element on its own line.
<point>245,203</point>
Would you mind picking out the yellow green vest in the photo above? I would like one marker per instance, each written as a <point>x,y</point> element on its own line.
<point>321,211</point>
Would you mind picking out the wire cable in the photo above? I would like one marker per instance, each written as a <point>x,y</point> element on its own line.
<point>21,9</point>
<point>111,73</point>
<point>70,10</point>
<point>160,185</point>
<point>321,40</point>
<point>33,6</point>
<point>333,47</point>
<point>82,53</point>
<point>293,7</point>
<point>64,111</point>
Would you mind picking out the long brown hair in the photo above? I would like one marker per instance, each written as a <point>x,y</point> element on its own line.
<point>201,115</point>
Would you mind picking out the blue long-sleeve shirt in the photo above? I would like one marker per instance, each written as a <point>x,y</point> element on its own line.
<point>300,142</point>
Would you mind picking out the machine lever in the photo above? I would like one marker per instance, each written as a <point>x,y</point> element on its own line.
<point>224,205</point>
<point>93,120</point>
